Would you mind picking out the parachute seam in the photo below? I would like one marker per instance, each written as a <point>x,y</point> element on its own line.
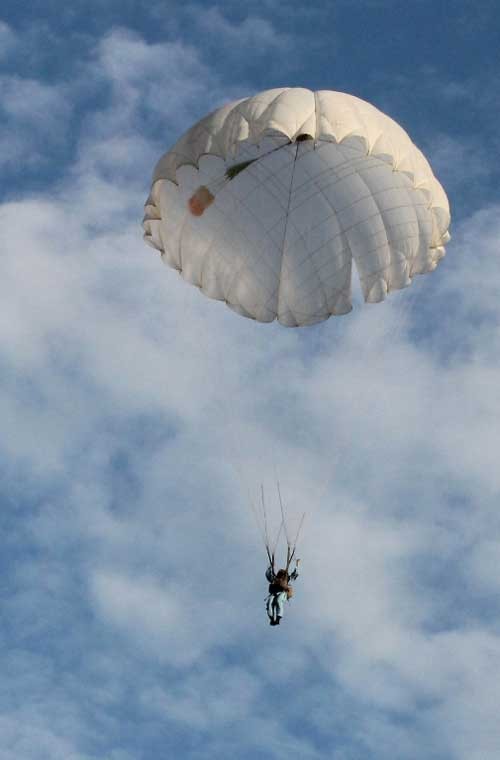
<point>423,235</point>
<point>362,124</point>
<point>272,104</point>
<point>345,208</point>
<point>310,257</point>
<point>273,244</point>
<point>381,215</point>
<point>284,238</point>
<point>337,180</point>
<point>335,291</point>
<point>344,231</point>
<point>413,206</point>
<point>211,250</point>
<point>390,241</point>
<point>183,227</point>
<point>316,115</point>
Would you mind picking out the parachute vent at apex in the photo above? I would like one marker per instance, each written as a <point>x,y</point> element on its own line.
<point>268,203</point>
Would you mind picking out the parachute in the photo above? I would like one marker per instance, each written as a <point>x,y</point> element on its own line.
<point>268,202</point>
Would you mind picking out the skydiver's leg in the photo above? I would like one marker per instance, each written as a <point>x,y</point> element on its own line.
<point>269,608</point>
<point>280,600</point>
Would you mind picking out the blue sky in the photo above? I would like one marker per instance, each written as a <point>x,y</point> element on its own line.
<point>136,415</point>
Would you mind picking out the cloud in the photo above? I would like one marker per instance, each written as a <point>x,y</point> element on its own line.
<point>459,162</point>
<point>252,32</point>
<point>161,618</point>
<point>8,39</point>
<point>50,129</point>
<point>206,699</point>
<point>149,82</point>
<point>116,341</point>
<point>35,119</point>
<point>136,415</point>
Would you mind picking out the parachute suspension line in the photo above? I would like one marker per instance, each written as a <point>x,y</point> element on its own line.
<point>287,535</point>
<point>287,215</point>
<point>283,520</point>
<point>296,539</point>
<point>270,552</point>
<point>262,526</point>
<point>278,536</point>
<point>299,529</point>
<point>264,513</point>
<point>291,545</point>
<point>285,230</point>
<point>255,513</point>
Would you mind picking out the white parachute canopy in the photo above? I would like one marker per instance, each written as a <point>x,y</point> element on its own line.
<point>266,203</point>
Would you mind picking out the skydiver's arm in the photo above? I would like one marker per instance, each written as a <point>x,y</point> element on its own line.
<point>270,574</point>
<point>295,574</point>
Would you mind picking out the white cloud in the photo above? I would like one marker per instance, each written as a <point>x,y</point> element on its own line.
<point>252,33</point>
<point>482,569</point>
<point>8,39</point>
<point>29,100</point>
<point>137,412</point>
<point>35,117</point>
<point>207,699</point>
<point>372,414</point>
<point>167,81</point>
<point>150,612</point>
<point>457,162</point>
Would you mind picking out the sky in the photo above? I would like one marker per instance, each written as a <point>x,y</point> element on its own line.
<point>138,418</point>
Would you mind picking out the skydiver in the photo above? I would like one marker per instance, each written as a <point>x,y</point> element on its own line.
<point>280,591</point>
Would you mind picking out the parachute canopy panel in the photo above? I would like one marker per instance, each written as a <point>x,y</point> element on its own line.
<point>267,202</point>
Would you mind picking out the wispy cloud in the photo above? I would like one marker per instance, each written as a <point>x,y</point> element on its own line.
<point>35,118</point>
<point>8,39</point>
<point>135,414</point>
<point>252,34</point>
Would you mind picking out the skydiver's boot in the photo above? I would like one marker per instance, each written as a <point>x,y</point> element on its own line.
<point>277,620</point>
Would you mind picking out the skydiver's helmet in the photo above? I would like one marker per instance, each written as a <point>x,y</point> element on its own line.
<point>282,575</point>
